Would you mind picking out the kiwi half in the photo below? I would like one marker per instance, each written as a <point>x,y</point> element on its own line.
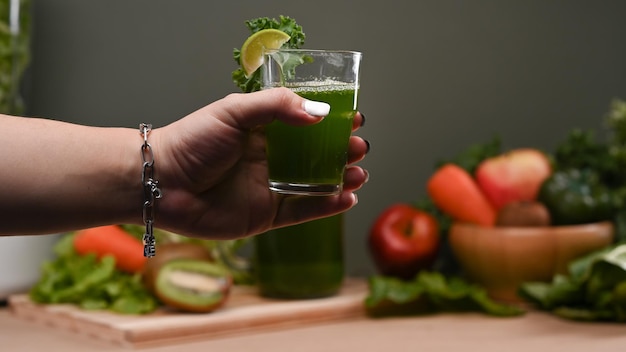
<point>167,253</point>
<point>191,285</point>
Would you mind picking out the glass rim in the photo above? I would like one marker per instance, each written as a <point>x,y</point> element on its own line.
<point>321,51</point>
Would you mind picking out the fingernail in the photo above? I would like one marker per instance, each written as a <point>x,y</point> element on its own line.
<point>367,176</point>
<point>368,146</point>
<point>362,119</point>
<point>350,197</point>
<point>316,108</point>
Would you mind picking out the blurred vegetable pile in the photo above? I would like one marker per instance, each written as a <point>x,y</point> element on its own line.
<point>604,162</point>
<point>90,282</point>
<point>104,268</point>
<point>588,180</point>
<point>582,180</point>
<point>14,52</point>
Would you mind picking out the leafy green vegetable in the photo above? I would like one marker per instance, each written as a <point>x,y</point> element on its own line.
<point>616,121</point>
<point>607,158</point>
<point>581,151</point>
<point>594,290</point>
<point>90,283</point>
<point>430,292</point>
<point>577,196</point>
<point>469,158</point>
<point>285,24</point>
<point>288,62</point>
<point>14,55</point>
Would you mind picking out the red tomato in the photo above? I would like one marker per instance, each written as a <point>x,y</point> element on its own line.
<point>404,240</point>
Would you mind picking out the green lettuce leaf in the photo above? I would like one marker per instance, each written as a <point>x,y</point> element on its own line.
<point>594,290</point>
<point>428,293</point>
<point>90,283</point>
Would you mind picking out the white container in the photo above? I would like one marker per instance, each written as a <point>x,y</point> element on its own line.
<point>21,258</point>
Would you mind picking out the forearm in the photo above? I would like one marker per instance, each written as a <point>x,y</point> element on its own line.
<point>56,176</point>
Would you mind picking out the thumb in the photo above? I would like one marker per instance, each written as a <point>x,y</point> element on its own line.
<point>248,110</point>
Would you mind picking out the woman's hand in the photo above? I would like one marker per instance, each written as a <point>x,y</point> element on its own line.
<point>212,168</point>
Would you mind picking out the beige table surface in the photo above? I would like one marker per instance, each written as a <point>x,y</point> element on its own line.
<point>534,332</point>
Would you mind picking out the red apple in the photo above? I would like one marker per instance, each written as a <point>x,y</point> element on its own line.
<point>513,176</point>
<point>404,240</point>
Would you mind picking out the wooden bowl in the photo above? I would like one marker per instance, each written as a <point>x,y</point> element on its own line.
<point>502,258</point>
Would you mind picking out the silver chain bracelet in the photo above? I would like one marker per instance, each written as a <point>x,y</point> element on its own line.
<point>151,191</point>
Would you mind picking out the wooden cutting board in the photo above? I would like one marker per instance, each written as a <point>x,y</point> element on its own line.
<point>244,312</point>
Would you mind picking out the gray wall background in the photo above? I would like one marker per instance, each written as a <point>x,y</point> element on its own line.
<point>437,75</point>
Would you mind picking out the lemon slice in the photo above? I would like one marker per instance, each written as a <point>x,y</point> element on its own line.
<point>253,48</point>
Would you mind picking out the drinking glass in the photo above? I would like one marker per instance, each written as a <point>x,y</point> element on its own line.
<point>310,160</point>
<point>302,261</point>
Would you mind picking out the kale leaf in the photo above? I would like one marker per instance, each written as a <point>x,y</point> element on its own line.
<point>428,293</point>
<point>580,150</point>
<point>593,290</point>
<point>285,24</point>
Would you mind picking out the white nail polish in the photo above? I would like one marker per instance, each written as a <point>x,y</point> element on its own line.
<point>316,108</point>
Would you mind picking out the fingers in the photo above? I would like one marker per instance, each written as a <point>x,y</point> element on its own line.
<point>354,178</point>
<point>248,110</point>
<point>298,209</point>
<point>316,108</point>
<point>357,148</point>
<point>358,121</point>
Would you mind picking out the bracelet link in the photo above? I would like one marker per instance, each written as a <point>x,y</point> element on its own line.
<point>149,242</point>
<point>151,191</point>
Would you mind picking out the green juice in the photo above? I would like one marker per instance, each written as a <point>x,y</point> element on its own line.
<point>314,156</point>
<point>301,261</point>
<point>306,260</point>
